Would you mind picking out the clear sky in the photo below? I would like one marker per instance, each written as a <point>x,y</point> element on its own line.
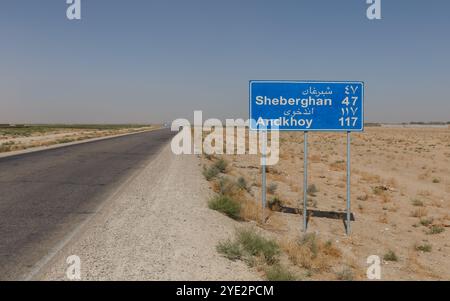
<point>153,61</point>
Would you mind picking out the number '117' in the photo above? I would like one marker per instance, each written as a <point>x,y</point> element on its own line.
<point>348,121</point>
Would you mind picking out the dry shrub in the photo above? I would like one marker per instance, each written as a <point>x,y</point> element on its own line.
<point>392,183</point>
<point>382,192</point>
<point>337,166</point>
<point>363,197</point>
<point>383,218</point>
<point>312,253</point>
<point>419,212</point>
<point>226,205</point>
<point>370,178</point>
<point>225,186</point>
<point>251,210</point>
<point>273,171</point>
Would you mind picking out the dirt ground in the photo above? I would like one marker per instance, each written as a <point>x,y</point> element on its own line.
<point>159,226</point>
<point>400,198</point>
<point>26,138</point>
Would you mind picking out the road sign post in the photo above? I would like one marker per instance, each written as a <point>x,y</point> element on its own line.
<point>305,181</point>
<point>348,184</point>
<point>307,106</point>
<point>263,181</point>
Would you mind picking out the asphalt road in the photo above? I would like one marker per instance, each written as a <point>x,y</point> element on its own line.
<point>45,195</point>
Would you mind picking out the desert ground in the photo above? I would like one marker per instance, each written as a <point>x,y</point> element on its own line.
<point>16,138</point>
<point>198,217</point>
<point>400,202</point>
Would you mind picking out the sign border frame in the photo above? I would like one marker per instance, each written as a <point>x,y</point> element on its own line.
<point>305,82</point>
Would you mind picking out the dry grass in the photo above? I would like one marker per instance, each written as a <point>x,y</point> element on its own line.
<point>383,218</point>
<point>311,253</point>
<point>417,267</point>
<point>419,212</point>
<point>369,177</point>
<point>251,210</point>
<point>337,166</point>
<point>385,169</point>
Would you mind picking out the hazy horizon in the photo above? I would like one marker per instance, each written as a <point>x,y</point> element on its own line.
<point>155,61</point>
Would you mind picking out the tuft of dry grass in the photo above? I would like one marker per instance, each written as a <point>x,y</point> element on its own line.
<point>383,218</point>
<point>226,205</point>
<point>225,186</point>
<point>370,178</point>
<point>417,203</point>
<point>272,188</point>
<point>423,248</point>
<point>311,253</point>
<point>345,274</point>
<point>363,197</point>
<point>337,166</point>
<point>435,229</point>
<point>390,256</point>
<point>251,210</point>
<point>419,212</point>
<point>436,180</point>
<point>426,221</point>
<point>392,183</point>
<point>278,272</point>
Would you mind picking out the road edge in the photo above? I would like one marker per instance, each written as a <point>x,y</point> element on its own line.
<point>41,264</point>
<point>61,145</point>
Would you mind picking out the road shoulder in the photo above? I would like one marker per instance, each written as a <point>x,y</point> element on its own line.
<point>157,228</point>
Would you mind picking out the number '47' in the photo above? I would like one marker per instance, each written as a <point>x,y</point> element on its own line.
<point>348,121</point>
<point>346,100</point>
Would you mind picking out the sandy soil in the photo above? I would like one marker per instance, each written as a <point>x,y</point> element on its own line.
<point>400,197</point>
<point>60,136</point>
<point>157,227</point>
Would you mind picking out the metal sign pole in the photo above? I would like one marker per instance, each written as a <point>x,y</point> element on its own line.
<point>263,184</point>
<point>348,183</point>
<point>305,180</point>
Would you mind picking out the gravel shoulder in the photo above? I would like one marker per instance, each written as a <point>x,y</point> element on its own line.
<point>157,227</point>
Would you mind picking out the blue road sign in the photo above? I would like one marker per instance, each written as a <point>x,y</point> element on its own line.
<point>307,105</point>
